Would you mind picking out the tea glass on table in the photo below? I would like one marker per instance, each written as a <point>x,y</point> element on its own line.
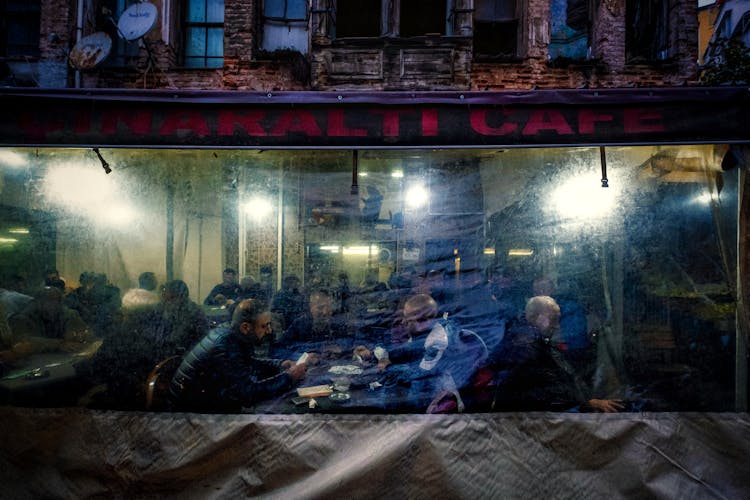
<point>340,389</point>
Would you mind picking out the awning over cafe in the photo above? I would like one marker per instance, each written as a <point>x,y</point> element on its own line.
<point>394,119</point>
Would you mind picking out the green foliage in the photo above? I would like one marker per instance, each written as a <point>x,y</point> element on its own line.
<point>730,66</point>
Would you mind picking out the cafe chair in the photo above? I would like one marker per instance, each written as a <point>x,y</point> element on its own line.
<point>158,381</point>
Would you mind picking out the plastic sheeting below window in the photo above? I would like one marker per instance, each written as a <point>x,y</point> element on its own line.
<point>84,454</point>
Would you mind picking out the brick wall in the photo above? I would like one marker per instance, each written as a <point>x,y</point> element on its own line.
<point>609,68</point>
<point>243,70</point>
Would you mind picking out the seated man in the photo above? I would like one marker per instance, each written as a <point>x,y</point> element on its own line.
<point>534,375</point>
<point>144,295</point>
<point>180,323</point>
<point>47,325</point>
<point>435,362</point>
<point>317,331</point>
<point>451,358</point>
<point>419,315</point>
<point>222,374</point>
<point>289,302</point>
<point>96,301</point>
<point>226,292</point>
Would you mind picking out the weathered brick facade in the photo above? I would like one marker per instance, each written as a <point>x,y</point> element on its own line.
<point>382,63</point>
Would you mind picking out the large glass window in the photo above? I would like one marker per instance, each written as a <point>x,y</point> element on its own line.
<point>403,280</point>
<point>204,34</point>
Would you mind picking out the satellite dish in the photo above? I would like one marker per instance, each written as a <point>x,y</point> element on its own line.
<point>137,20</point>
<point>90,50</point>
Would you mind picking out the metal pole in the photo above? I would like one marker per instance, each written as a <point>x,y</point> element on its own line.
<point>280,230</point>
<point>170,232</point>
<point>741,328</point>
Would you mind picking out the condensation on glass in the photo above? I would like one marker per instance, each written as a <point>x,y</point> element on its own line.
<point>643,271</point>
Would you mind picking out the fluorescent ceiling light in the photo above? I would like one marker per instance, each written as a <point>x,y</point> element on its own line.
<point>520,252</point>
<point>360,250</point>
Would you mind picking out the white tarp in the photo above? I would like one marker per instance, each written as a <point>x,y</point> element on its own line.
<point>73,453</point>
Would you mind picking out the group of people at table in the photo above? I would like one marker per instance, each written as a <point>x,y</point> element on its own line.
<point>514,362</point>
<point>472,352</point>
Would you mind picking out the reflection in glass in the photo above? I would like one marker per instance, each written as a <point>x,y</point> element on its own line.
<point>643,271</point>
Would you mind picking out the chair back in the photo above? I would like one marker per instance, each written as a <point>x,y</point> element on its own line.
<point>158,381</point>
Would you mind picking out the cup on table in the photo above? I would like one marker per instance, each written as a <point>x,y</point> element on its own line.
<point>341,384</point>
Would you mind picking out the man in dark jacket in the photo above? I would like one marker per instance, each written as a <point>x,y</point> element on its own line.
<point>226,292</point>
<point>222,374</point>
<point>534,375</point>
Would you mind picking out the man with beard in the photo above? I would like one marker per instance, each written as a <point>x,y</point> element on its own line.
<point>223,374</point>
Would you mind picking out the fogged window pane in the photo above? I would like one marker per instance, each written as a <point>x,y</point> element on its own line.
<point>424,281</point>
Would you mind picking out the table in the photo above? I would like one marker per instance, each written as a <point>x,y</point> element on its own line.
<point>388,397</point>
<point>46,379</point>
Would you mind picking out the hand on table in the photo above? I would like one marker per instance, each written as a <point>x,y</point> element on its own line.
<point>297,371</point>
<point>383,364</point>
<point>606,405</point>
<point>363,352</point>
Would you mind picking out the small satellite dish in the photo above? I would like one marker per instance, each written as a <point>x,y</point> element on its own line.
<point>90,50</point>
<point>137,20</point>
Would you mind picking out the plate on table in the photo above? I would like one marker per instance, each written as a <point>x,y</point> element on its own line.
<point>351,370</point>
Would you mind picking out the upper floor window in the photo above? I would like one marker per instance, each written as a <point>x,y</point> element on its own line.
<point>422,17</point>
<point>19,28</point>
<point>495,28</point>
<point>646,33</point>
<point>285,25</point>
<point>405,18</point>
<point>569,29</point>
<point>359,19</point>
<point>123,51</point>
<point>204,34</point>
